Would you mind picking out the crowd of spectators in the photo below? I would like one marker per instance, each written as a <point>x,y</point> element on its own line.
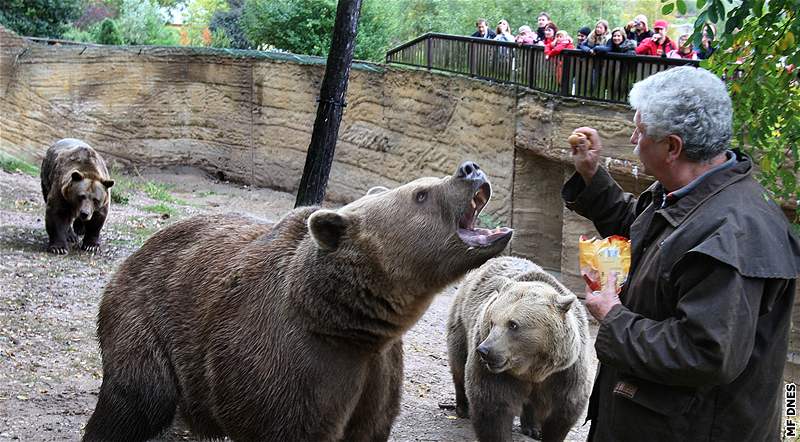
<point>635,38</point>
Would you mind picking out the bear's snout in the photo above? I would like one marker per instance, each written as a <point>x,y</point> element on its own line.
<point>85,215</point>
<point>470,170</point>
<point>483,352</point>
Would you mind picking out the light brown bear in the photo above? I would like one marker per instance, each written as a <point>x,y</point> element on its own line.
<point>289,332</point>
<point>75,185</point>
<point>517,341</point>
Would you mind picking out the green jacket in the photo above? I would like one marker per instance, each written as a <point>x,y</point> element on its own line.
<point>696,350</point>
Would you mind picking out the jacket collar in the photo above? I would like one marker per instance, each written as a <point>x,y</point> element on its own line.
<point>712,184</point>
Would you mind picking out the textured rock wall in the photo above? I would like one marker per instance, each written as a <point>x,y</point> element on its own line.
<point>250,119</point>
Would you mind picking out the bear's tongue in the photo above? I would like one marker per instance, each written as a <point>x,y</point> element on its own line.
<point>479,237</point>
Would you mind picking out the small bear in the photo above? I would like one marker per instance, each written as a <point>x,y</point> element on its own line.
<point>517,342</point>
<point>75,185</point>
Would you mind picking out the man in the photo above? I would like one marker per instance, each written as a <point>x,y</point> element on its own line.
<point>659,45</point>
<point>637,29</point>
<point>542,21</point>
<point>693,346</point>
<point>483,30</point>
<point>583,34</point>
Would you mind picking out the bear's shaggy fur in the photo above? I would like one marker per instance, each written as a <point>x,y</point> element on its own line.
<point>284,333</point>
<point>75,186</point>
<point>517,343</point>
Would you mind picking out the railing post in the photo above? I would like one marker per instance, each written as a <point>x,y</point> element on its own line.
<point>565,78</point>
<point>531,76</point>
<point>430,48</point>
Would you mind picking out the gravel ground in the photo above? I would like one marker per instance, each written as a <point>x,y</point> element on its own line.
<point>49,360</point>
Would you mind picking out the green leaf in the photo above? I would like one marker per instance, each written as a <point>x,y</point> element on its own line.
<point>758,8</point>
<point>667,9</point>
<point>700,4</point>
<point>712,14</point>
<point>681,6</point>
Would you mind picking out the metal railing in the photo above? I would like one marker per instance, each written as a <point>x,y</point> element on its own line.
<point>573,73</point>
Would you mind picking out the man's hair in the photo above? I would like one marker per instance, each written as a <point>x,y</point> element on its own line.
<point>689,102</point>
<point>543,14</point>
<point>479,21</point>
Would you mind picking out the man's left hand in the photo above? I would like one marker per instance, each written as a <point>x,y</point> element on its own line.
<point>600,302</point>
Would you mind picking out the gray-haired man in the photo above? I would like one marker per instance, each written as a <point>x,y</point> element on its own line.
<point>693,347</point>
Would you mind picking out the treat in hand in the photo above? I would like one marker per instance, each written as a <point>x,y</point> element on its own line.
<point>576,138</point>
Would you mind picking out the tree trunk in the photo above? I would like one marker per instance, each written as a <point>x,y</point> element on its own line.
<point>331,105</point>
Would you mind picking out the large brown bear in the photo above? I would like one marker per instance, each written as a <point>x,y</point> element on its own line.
<point>289,332</point>
<point>517,341</point>
<point>75,185</point>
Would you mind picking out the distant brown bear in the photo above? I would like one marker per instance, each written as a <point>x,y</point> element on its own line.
<point>75,185</point>
<point>517,341</point>
<point>289,332</point>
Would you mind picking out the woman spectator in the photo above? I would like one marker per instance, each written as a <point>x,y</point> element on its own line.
<point>637,29</point>
<point>706,48</point>
<point>526,36</point>
<point>684,50</point>
<point>659,45</point>
<point>618,44</point>
<point>597,38</point>
<point>542,20</point>
<point>503,32</point>
<point>549,40</point>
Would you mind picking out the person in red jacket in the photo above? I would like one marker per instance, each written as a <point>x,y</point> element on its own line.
<point>561,42</point>
<point>659,45</point>
<point>550,30</point>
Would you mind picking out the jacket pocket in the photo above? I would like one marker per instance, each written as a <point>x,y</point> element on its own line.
<point>647,411</point>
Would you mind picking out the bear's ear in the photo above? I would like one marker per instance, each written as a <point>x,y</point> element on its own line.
<point>564,302</point>
<point>108,183</point>
<point>327,227</point>
<point>76,176</point>
<point>376,190</point>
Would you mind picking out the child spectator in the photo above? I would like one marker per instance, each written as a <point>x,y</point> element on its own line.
<point>503,32</point>
<point>562,41</point>
<point>483,29</point>
<point>542,20</point>
<point>526,36</point>
<point>618,44</point>
<point>659,45</point>
<point>637,29</point>
<point>597,38</point>
<point>582,34</point>
<point>684,50</point>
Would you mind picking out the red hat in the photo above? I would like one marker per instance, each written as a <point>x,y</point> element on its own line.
<point>660,24</point>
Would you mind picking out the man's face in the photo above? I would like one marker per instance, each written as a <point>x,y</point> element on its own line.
<point>639,25</point>
<point>542,20</point>
<point>581,37</point>
<point>659,31</point>
<point>651,153</point>
<point>482,28</point>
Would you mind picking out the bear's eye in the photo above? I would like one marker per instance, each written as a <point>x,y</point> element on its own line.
<point>512,325</point>
<point>421,196</point>
<point>83,197</point>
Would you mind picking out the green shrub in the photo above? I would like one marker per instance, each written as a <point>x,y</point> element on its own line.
<point>108,33</point>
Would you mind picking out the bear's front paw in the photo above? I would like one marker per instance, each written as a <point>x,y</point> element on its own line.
<point>91,247</point>
<point>58,249</point>
<point>531,432</point>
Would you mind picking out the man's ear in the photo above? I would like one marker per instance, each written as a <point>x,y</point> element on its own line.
<point>327,227</point>
<point>675,148</point>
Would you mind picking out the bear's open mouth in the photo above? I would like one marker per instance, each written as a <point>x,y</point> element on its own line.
<point>477,236</point>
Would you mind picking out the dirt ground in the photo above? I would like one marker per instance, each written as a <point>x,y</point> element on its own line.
<point>49,360</point>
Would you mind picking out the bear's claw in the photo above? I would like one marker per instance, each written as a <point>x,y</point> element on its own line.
<point>58,250</point>
<point>91,248</point>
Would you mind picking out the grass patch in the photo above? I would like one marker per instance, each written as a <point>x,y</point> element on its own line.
<point>12,164</point>
<point>161,208</point>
